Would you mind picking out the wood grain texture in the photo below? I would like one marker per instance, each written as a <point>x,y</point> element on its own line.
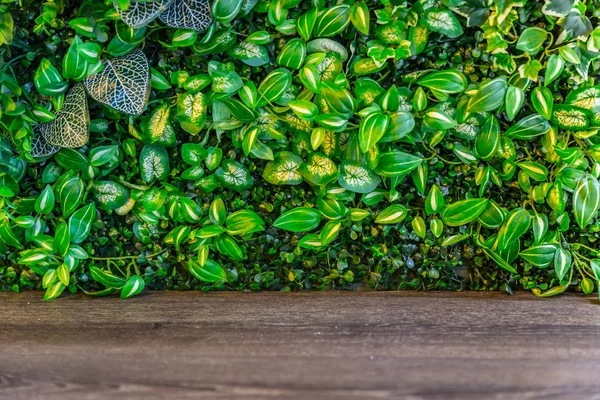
<point>300,346</point>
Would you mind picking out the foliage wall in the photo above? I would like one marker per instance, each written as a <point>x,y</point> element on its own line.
<point>299,144</point>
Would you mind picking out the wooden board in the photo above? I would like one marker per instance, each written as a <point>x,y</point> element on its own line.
<point>300,346</point>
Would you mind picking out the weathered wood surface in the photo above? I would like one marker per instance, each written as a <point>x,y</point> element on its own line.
<point>300,346</point>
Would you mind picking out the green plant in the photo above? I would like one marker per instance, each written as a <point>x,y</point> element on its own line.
<point>287,144</point>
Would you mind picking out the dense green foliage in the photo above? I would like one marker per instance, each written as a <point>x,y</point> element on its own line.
<point>299,144</point>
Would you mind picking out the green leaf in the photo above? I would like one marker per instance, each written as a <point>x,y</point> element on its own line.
<point>434,202</point>
<point>310,78</point>
<point>210,231</point>
<point>436,118</point>
<point>332,122</point>
<point>332,21</point>
<point>534,170</point>
<point>528,127</point>
<point>6,28</point>
<point>586,200</point>
<point>562,263</point>
<point>74,65</point>
<point>184,37</point>
<point>299,219</point>
<point>110,195</point>
<point>224,78</point>
<point>62,272</point>
<point>304,109</point>
<point>330,231</point>
<point>80,223</point>
<point>177,236</point>
<point>514,99</point>
<point>217,211</point>
<point>292,55</point>
<point>489,97</point>
<point>243,222</point>
<point>571,118</point>
<point>193,153</point>
<point>71,160</point>
<point>492,217</point>
<point>539,224</point>
<point>274,86</point>
<point>227,246</point>
<point>154,163</point>
<point>557,8</point>
<point>134,286</point>
<point>454,239</point>
<point>449,81</point>
<point>234,175</point>
<point>531,40</point>
<point>277,13</point>
<point>158,80</point>
<point>543,101</point>
<point>437,227</point>
<point>463,212</point>
<point>318,169</point>
<point>554,68</point>
<point>400,125</point>
<point>496,258</point>
<point>48,80</point>
<point>211,272</point>
<point>392,215</point>
<point>357,178</point>
<point>595,264</point>
<point>193,173</point>
<point>103,154</point>
<point>359,16</point>
<point>488,141</point>
<point>306,22</point>
<point>62,240</point>
<point>587,286</point>
<point>225,11</point>
<point>339,100</point>
<point>239,110</point>
<point>418,225</point>
<point>541,255</point>
<point>45,201</point>
<point>54,291</point>
<point>283,170</point>
<point>89,51</point>
<point>259,37</point>
<point>397,163</point>
<point>154,199</point>
<point>49,278</point>
<point>586,97</point>
<point>442,21</point>
<point>371,130</point>
<point>516,225</point>
<point>249,53</point>
<point>107,278</point>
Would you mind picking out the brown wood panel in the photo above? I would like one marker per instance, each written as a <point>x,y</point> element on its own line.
<point>334,345</point>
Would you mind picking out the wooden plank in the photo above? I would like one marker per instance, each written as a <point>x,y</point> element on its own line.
<point>334,345</point>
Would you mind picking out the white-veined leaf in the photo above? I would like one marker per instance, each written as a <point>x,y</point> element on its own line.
<point>188,14</point>
<point>123,83</point>
<point>141,13</point>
